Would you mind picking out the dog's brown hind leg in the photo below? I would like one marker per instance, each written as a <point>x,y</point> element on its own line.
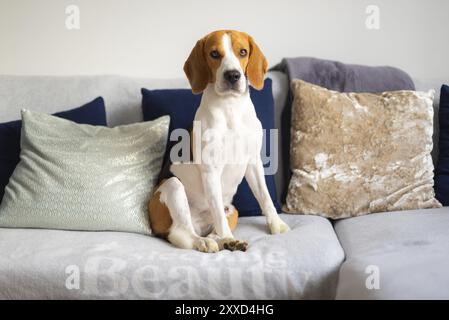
<point>170,218</point>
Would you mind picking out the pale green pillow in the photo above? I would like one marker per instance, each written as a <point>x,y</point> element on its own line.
<point>82,177</point>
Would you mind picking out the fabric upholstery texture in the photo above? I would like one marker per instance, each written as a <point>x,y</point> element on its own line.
<point>359,153</point>
<point>406,251</point>
<point>181,106</point>
<point>442,169</point>
<point>91,113</point>
<point>82,177</point>
<point>301,264</point>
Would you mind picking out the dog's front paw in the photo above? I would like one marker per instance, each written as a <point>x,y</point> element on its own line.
<point>206,245</point>
<point>232,244</point>
<point>278,226</point>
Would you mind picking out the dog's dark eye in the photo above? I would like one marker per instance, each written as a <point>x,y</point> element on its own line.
<point>243,52</point>
<point>215,54</point>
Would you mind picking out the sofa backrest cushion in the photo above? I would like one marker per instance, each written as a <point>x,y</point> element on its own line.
<point>123,98</point>
<point>122,95</point>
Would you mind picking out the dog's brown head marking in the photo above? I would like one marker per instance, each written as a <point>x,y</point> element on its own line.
<point>210,53</point>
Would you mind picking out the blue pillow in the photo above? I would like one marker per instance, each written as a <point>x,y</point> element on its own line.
<point>181,105</point>
<point>442,169</point>
<point>93,113</point>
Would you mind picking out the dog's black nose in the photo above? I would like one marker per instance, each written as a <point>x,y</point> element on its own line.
<point>232,76</point>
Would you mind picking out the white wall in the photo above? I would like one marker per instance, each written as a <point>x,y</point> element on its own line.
<point>153,38</point>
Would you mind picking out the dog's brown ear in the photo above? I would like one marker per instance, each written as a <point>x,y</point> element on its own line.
<point>257,65</point>
<point>196,68</point>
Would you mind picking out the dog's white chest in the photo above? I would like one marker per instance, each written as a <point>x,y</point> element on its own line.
<point>230,136</point>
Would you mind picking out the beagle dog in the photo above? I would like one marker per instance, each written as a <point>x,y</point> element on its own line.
<point>192,209</point>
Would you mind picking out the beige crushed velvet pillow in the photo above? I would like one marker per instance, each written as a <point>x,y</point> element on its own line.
<point>359,153</point>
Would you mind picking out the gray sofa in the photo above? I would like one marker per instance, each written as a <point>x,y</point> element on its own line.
<point>318,259</point>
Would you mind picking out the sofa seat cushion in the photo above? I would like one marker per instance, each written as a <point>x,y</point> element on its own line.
<point>408,250</point>
<point>303,263</point>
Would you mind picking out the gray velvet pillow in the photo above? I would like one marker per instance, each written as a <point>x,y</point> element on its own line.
<point>83,177</point>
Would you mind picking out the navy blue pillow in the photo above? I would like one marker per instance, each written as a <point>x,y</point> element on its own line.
<point>93,113</point>
<point>442,169</point>
<point>181,105</point>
